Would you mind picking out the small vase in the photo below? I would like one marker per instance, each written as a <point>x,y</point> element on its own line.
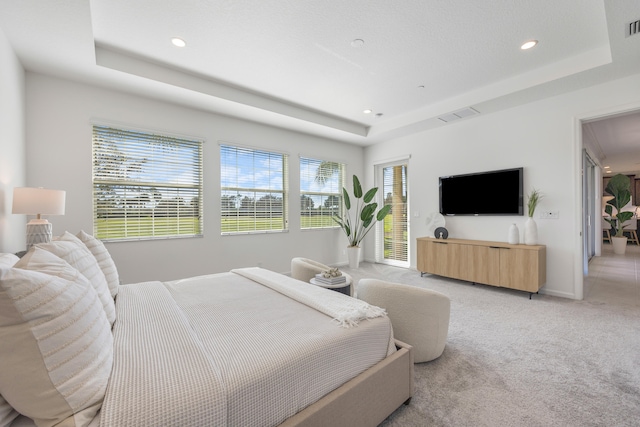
<point>514,235</point>
<point>353,252</point>
<point>530,232</point>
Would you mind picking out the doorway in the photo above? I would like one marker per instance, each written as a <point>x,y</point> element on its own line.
<point>612,145</point>
<point>393,242</point>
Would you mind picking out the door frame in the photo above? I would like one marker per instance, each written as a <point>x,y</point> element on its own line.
<point>379,181</point>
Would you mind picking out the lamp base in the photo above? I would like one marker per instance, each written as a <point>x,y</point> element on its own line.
<point>38,232</point>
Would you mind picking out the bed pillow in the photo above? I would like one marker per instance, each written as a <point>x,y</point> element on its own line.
<point>8,260</point>
<point>72,250</point>
<point>57,346</point>
<point>104,259</point>
<point>7,413</point>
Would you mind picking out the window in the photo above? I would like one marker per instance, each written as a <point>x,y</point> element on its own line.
<point>254,190</point>
<point>145,186</point>
<point>395,229</point>
<point>321,185</point>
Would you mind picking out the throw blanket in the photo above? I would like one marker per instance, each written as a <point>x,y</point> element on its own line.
<point>346,311</point>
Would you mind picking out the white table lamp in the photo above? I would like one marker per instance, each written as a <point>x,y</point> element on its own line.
<point>38,201</point>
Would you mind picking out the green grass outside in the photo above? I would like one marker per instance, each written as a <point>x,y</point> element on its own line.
<point>118,228</point>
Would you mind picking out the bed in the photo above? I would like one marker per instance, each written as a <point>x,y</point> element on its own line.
<point>241,348</point>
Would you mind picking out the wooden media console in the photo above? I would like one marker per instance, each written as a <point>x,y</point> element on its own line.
<point>521,267</point>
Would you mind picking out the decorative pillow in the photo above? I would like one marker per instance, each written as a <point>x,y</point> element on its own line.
<point>57,346</point>
<point>104,259</point>
<point>7,413</point>
<point>71,249</point>
<point>8,260</point>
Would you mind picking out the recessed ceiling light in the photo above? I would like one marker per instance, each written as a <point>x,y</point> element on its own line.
<point>607,167</point>
<point>421,87</point>
<point>357,43</point>
<point>176,41</point>
<point>367,111</point>
<point>609,171</point>
<point>529,44</point>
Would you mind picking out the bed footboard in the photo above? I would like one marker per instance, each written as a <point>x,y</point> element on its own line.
<point>366,400</point>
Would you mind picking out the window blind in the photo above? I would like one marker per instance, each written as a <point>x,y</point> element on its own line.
<point>254,190</point>
<point>394,191</point>
<point>321,185</point>
<point>145,186</point>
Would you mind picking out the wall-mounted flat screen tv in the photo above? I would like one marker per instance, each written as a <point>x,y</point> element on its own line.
<point>483,193</point>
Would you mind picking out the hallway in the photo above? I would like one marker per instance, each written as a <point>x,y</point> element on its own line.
<point>614,279</point>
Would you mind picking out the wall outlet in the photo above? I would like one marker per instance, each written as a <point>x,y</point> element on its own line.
<point>549,215</point>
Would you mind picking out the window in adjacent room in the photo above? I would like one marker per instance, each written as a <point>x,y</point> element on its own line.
<point>254,190</point>
<point>145,185</point>
<point>321,185</point>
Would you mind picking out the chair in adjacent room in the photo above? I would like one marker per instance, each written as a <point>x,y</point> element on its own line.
<point>631,227</point>
<point>606,230</point>
<point>420,317</point>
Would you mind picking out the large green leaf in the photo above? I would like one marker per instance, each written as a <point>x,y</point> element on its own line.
<point>370,195</point>
<point>368,211</point>
<point>345,196</point>
<point>366,223</point>
<point>357,188</point>
<point>383,212</point>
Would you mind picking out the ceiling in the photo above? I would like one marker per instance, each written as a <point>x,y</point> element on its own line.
<point>314,66</point>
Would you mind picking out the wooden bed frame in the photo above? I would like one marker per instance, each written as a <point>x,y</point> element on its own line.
<point>366,400</point>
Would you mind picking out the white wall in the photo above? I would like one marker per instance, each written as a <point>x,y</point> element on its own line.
<point>12,143</point>
<point>59,119</point>
<point>542,138</point>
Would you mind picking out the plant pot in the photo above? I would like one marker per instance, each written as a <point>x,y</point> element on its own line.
<point>619,245</point>
<point>353,252</point>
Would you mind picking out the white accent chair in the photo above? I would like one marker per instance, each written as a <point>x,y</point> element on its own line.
<point>305,269</point>
<point>420,317</point>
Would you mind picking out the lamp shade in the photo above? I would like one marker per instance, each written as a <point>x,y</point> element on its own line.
<point>38,201</point>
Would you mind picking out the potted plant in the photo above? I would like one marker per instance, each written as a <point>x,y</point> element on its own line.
<point>363,221</point>
<point>619,187</point>
<point>530,226</point>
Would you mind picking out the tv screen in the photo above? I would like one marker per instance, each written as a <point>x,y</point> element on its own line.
<point>482,193</point>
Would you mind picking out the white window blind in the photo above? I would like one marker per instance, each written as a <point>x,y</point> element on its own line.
<point>145,186</point>
<point>321,185</point>
<point>395,229</point>
<point>254,190</point>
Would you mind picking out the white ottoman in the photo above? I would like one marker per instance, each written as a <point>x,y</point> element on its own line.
<point>420,317</point>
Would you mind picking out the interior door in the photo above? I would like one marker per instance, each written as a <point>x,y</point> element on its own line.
<point>393,244</point>
<point>589,213</point>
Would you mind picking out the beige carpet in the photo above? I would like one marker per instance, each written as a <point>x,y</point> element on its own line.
<point>511,361</point>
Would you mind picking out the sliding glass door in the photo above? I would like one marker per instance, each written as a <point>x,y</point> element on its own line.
<point>393,241</point>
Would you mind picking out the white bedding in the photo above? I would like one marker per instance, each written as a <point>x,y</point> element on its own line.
<point>226,350</point>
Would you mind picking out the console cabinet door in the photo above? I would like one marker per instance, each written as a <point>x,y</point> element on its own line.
<point>485,265</point>
<point>439,257</point>
<point>519,269</point>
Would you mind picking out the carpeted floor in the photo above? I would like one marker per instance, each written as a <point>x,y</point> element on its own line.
<point>511,361</point>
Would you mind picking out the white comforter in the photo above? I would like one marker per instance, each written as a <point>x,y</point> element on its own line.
<point>224,350</point>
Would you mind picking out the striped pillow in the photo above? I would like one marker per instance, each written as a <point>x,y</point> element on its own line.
<point>104,259</point>
<point>72,250</point>
<point>57,346</point>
